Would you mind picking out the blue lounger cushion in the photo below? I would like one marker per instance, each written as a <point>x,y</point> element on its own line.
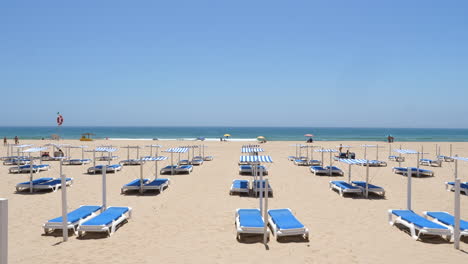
<point>240,184</point>
<point>363,184</point>
<point>185,167</point>
<point>157,182</point>
<point>245,167</point>
<point>53,182</point>
<point>38,181</point>
<point>317,167</point>
<point>136,182</point>
<point>448,219</point>
<point>417,220</point>
<point>284,219</point>
<point>344,185</point>
<point>250,218</point>
<point>106,217</point>
<point>170,166</point>
<point>332,167</point>
<point>77,214</point>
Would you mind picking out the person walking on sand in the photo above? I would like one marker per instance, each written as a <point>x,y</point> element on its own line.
<point>16,140</point>
<point>341,148</point>
<point>5,141</point>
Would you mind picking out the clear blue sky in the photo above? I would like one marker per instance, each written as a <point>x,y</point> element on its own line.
<point>235,63</point>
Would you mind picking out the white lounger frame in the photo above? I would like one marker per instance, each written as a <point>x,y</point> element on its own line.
<point>462,232</point>
<point>110,228</point>
<point>288,232</point>
<point>421,231</point>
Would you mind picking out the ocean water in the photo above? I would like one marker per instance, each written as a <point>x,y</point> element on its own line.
<point>242,133</point>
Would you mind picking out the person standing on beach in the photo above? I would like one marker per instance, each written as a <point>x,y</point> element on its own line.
<point>16,140</point>
<point>5,141</point>
<point>341,148</point>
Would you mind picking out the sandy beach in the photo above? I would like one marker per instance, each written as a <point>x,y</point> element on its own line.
<point>193,221</point>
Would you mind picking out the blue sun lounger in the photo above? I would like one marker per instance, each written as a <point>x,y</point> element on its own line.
<point>107,221</point>
<point>157,184</point>
<point>450,186</point>
<point>16,161</point>
<point>184,162</point>
<point>343,187</point>
<point>396,158</point>
<point>301,162</point>
<point>168,169</point>
<point>414,171</point>
<point>429,162</point>
<point>370,187</point>
<point>249,221</point>
<point>27,168</point>
<point>447,220</point>
<point>25,185</point>
<point>334,170</point>
<point>374,163</point>
<point>284,223</point>
<point>109,168</point>
<point>315,163</point>
<point>184,169</point>
<point>197,160</point>
<point>44,184</point>
<point>133,185</point>
<point>318,170</point>
<point>74,218</point>
<point>53,185</point>
<point>240,186</point>
<point>418,223</point>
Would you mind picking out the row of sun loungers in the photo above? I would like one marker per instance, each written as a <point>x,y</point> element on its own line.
<point>88,219</point>
<point>243,186</point>
<point>414,171</point>
<point>146,185</point>
<point>281,221</point>
<point>442,223</point>
<point>49,184</point>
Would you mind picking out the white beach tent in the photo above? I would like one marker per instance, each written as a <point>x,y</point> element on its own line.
<point>358,162</point>
<point>144,160</point>
<point>172,151</point>
<point>31,163</point>
<point>322,150</point>
<point>157,147</point>
<point>371,146</point>
<point>255,161</point>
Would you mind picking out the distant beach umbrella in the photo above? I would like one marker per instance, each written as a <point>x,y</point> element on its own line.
<point>308,135</point>
<point>227,135</point>
<point>201,138</point>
